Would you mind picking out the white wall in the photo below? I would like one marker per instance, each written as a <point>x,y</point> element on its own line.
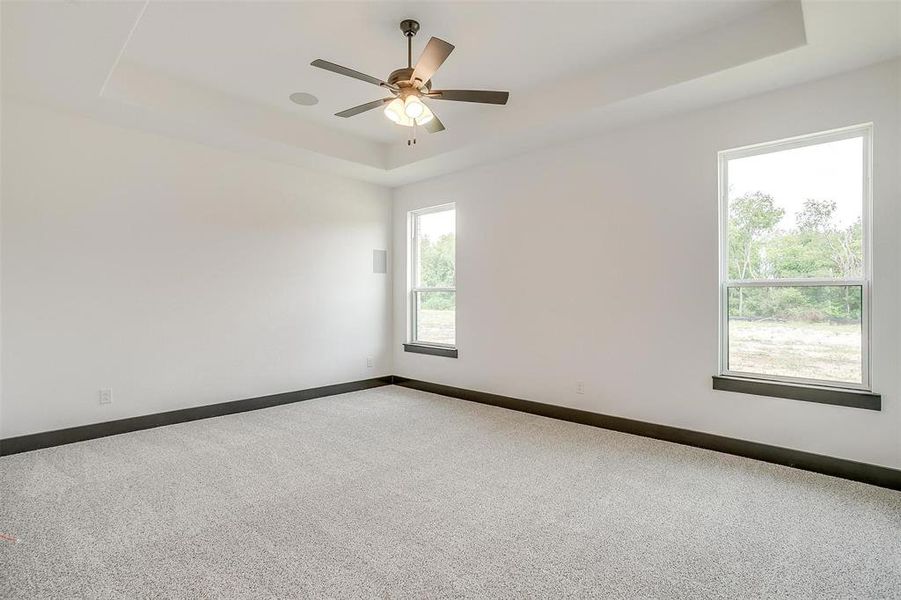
<point>597,261</point>
<point>181,275</point>
<point>176,274</point>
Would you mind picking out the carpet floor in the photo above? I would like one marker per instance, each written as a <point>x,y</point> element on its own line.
<point>394,493</point>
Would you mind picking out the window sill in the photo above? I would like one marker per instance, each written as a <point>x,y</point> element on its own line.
<point>793,391</point>
<point>433,350</point>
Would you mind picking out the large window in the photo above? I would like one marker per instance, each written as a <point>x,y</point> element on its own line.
<point>794,259</point>
<point>433,295</point>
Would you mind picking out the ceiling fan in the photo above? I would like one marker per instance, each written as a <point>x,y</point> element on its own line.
<point>411,85</point>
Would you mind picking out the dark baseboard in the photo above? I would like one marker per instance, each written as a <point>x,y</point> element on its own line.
<point>59,437</point>
<point>827,465</point>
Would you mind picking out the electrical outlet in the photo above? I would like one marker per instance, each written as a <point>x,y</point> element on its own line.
<point>580,387</point>
<point>106,396</point>
<point>369,362</point>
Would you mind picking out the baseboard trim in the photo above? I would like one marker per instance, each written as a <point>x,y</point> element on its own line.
<point>818,463</point>
<point>70,435</point>
<point>827,465</point>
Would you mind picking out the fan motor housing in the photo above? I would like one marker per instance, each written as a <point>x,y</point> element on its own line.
<point>401,78</point>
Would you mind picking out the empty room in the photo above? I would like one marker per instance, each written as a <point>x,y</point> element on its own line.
<point>450,299</point>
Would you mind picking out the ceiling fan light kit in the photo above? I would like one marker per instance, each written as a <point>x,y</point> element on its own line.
<point>411,85</point>
<point>398,113</point>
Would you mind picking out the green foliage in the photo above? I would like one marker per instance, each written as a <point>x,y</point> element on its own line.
<point>437,269</point>
<point>816,215</point>
<point>752,218</point>
<point>814,247</point>
<point>437,300</point>
<point>810,304</point>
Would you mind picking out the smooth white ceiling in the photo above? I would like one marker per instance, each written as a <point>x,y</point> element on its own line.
<point>220,72</point>
<point>261,51</point>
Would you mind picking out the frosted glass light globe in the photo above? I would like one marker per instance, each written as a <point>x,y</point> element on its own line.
<point>395,111</point>
<point>413,107</point>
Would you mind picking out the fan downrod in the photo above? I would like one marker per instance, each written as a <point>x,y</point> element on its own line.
<point>409,27</point>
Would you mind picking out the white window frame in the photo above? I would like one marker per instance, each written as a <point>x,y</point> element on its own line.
<point>865,283</point>
<point>412,289</point>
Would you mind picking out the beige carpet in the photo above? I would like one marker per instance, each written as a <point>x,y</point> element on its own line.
<point>393,493</point>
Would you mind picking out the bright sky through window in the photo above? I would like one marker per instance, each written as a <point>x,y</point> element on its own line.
<point>831,171</point>
<point>437,224</point>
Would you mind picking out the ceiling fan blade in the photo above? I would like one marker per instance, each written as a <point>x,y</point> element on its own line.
<point>434,125</point>
<point>481,96</point>
<point>435,53</point>
<point>329,66</point>
<point>350,112</point>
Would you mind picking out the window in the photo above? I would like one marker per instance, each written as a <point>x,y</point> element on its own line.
<point>433,294</point>
<point>794,260</point>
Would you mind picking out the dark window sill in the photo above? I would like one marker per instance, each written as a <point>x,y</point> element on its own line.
<point>433,350</point>
<point>793,391</point>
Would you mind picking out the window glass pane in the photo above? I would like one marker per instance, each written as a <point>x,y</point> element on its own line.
<point>435,314</point>
<point>435,249</point>
<point>797,213</point>
<point>806,332</point>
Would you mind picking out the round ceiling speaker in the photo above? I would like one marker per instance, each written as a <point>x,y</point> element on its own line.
<point>303,98</point>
